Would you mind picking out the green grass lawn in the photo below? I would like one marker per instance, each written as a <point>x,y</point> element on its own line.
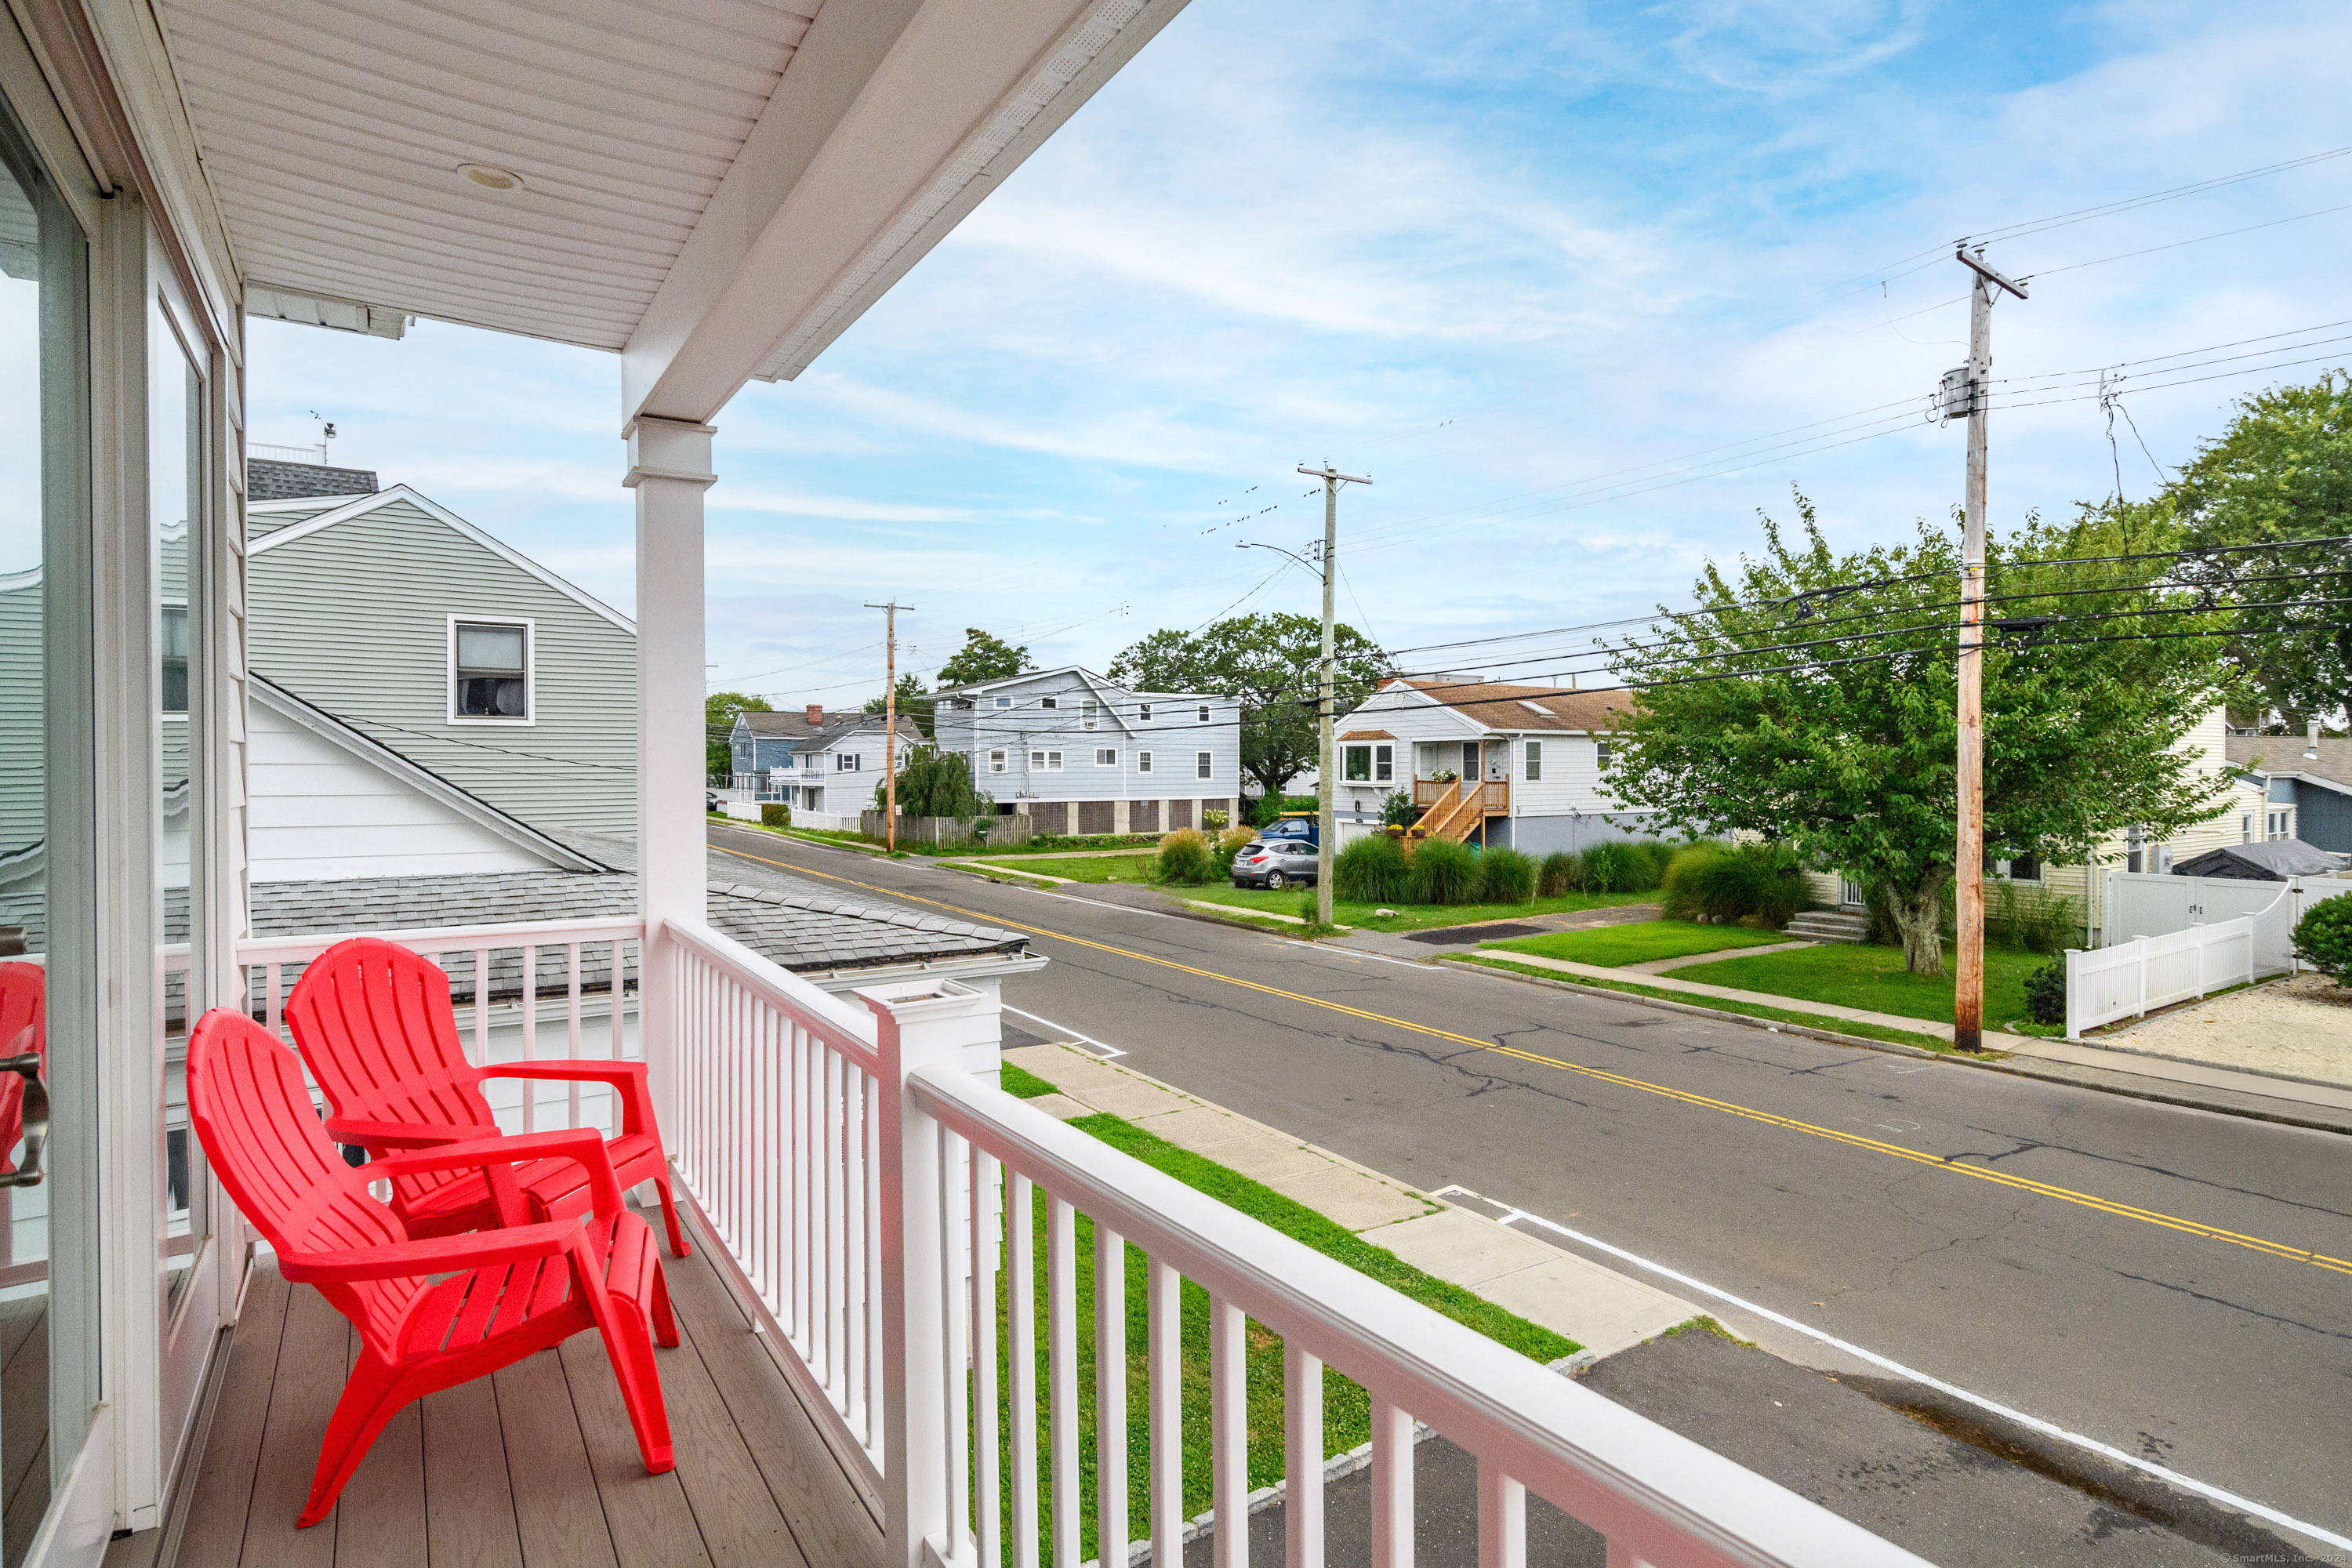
<point>1088,868</point>
<point>1611,946</point>
<point>1346,1407</point>
<point>1873,977</point>
<point>1715,1003</point>
<point>1408,916</point>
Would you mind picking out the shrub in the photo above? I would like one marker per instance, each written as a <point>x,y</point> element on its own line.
<point>1613,866</point>
<point>1562,872</point>
<point>2323,938</point>
<point>1231,842</point>
<point>1505,876</point>
<point>1375,869</point>
<point>1759,884</point>
<point>932,783</point>
<point>775,813</point>
<point>1653,856</point>
<point>2034,920</point>
<point>2045,993</point>
<point>1184,859</point>
<point>1397,809</point>
<point>1214,821</point>
<point>1445,872</point>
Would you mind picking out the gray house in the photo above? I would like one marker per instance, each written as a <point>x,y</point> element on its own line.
<point>1081,755</point>
<point>420,631</point>
<point>823,765</point>
<point>2308,797</point>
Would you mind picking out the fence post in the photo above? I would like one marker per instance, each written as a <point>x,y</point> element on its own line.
<point>2140,945</point>
<point>917,1024</point>
<point>2073,1032</point>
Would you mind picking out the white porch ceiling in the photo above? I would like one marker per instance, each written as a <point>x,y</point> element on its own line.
<point>719,187</point>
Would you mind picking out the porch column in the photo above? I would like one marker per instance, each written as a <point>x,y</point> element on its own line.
<point>669,468</point>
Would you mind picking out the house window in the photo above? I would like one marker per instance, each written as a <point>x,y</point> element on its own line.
<point>1144,713</point>
<point>489,670</point>
<point>174,656</point>
<point>1005,702</point>
<point>1535,762</point>
<point>1205,718</point>
<point>1356,766</point>
<point>1087,714</point>
<point>1144,761</point>
<point>1601,752</point>
<point>1049,702</point>
<point>1383,764</point>
<point>996,761</point>
<point>2026,867</point>
<point>1106,757</point>
<point>1201,764</point>
<point>848,763</point>
<point>2278,825</point>
<point>1045,762</point>
<point>2246,828</point>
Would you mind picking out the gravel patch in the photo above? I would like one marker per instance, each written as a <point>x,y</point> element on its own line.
<point>2300,1027</point>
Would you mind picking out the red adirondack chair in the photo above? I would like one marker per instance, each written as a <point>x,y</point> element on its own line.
<point>376,1025</point>
<point>24,1027</point>
<point>514,1291</point>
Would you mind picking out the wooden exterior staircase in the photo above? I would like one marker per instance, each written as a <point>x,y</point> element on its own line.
<point>1461,809</point>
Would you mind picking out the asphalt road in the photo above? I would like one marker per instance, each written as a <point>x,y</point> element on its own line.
<point>2162,1280</point>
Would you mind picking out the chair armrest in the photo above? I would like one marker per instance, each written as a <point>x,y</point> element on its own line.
<point>495,1157</point>
<point>629,1077</point>
<point>435,1255</point>
<point>377,1136</point>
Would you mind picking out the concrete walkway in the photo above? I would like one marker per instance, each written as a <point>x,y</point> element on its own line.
<point>2217,1088</point>
<point>1684,959</point>
<point>1598,1308</point>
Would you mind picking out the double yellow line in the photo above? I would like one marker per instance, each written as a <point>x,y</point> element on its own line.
<point>1894,1151</point>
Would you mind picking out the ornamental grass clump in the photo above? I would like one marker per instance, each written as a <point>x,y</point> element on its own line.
<point>1507,876</point>
<point>1375,869</point>
<point>1562,871</point>
<point>1613,867</point>
<point>1445,872</point>
<point>1748,884</point>
<point>1185,859</point>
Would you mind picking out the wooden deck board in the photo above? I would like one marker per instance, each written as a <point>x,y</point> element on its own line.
<point>535,1468</point>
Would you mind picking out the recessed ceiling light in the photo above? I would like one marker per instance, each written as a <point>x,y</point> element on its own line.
<point>490,177</point>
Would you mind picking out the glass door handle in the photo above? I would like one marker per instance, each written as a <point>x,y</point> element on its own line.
<point>35,1119</point>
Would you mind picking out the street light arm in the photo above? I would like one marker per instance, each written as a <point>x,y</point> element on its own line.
<point>1278,550</point>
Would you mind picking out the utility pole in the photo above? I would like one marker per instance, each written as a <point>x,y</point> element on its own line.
<point>1967,985</point>
<point>1326,764</point>
<point>890,719</point>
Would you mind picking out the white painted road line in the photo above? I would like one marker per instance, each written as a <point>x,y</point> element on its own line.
<point>1067,1033</point>
<point>2048,1429</point>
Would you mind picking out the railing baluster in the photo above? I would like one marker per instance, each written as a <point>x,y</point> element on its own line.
<point>1502,1518</point>
<point>572,1026</point>
<point>529,1016</point>
<point>870,1270</point>
<point>1110,1396</point>
<point>833,1250</point>
<point>853,1250</point>
<point>1062,1380</point>
<point>1392,1486</point>
<point>1021,1340</point>
<point>796,1107</point>
<point>986,1430</point>
<point>1302,1434</point>
<point>275,976</point>
<point>952,1302</point>
<point>1163,1288</point>
<point>481,1007</point>
<point>1228,1433</point>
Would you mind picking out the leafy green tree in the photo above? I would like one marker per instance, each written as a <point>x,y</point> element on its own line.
<point>1815,708</point>
<point>912,704</point>
<point>933,782</point>
<point>1270,662</point>
<point>719,711</point>
<point>983,657</point>
<point>2281,470</point>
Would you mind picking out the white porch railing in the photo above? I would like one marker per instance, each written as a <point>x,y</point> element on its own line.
<point>854,1168</point>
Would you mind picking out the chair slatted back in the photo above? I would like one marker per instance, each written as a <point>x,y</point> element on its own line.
<point>251,1108</point>
<point>378,1031</point>
<point>24,1006</point>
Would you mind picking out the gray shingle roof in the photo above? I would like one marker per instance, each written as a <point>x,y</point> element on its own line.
<point>266,478</point>
<point>794,726</point>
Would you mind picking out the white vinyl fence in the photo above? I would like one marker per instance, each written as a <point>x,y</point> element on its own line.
<point>2184,957</point>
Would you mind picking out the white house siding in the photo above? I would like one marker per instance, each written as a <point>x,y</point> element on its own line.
<point>22,783</point>
<point>1082,797</point>
<point>320,813</point>
<point>354,618</point>
<point>266,518</point>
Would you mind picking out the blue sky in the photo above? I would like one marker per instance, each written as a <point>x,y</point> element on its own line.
<point>1501,257</point>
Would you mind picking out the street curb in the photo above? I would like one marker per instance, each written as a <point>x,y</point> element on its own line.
<point>2009,1065</point>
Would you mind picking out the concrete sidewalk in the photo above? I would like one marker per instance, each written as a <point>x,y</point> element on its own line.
<point>2224,1089</point>
<point>1600,1309</point>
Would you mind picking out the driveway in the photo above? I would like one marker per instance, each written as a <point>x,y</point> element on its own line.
<point>2300,1027</point>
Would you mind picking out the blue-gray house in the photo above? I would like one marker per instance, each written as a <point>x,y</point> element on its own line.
<point>2317,789</point>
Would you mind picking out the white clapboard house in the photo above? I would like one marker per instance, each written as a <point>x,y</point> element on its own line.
<point>823,765</point>
<point>1080,753</point>
<point>710,194</point>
